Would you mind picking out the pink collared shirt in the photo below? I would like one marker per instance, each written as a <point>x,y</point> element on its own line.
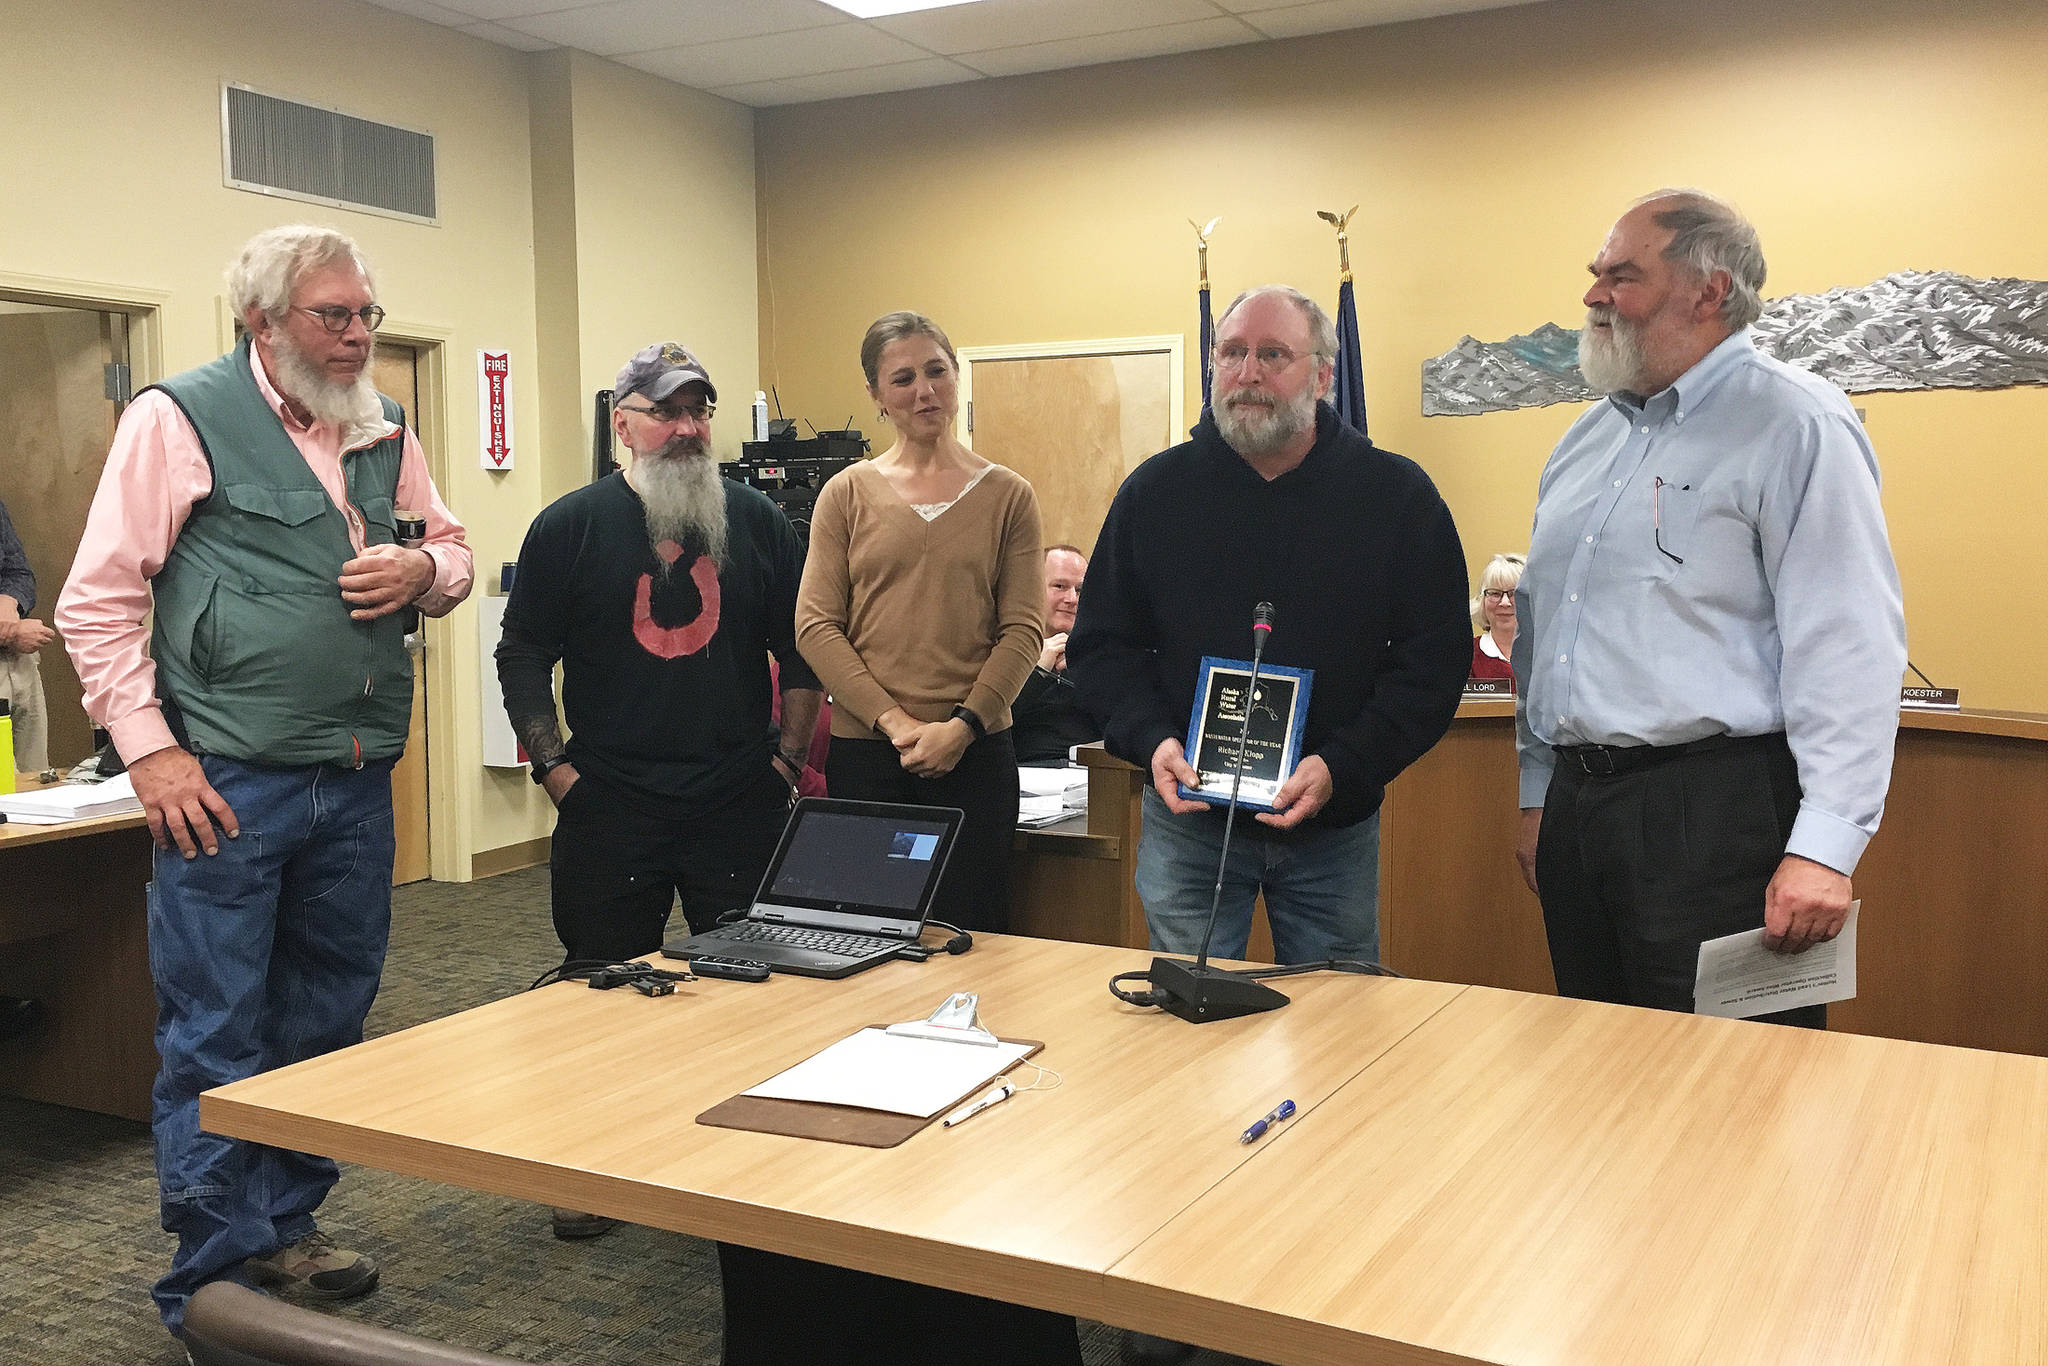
<point>156,472</point>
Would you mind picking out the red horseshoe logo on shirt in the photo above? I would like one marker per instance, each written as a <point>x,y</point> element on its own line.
<point>673,642</point>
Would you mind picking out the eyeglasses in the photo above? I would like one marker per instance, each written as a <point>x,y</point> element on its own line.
<point>336,318</point>
<point>670,413</point>
<point>1498,594</point>
<point>1657,516</point>
<point>1272,359</point>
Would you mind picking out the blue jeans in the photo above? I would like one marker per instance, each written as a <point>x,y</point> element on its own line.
<point>1322,888</point>
<point>263,954</point>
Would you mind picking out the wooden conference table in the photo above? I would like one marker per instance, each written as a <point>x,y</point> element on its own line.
<point>74,934</point>
<point>1476,1175</point>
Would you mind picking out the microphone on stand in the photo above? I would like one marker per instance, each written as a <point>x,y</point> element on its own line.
<point>1197,992</point>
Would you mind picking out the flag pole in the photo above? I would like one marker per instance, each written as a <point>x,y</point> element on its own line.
<point>1347,386</point>
<point>1208,331</point>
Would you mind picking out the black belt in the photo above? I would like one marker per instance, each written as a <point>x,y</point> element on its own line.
<point>1610,761</point>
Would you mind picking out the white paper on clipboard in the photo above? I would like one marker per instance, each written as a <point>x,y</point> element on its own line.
<point>876,1070</point>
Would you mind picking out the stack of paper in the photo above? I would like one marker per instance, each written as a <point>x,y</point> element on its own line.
<point>877,1070</point>
<point>1047,795</point>
<point>71,802</point>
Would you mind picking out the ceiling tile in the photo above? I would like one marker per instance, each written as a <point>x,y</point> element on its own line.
<point>875,80</point>
<point>1014,23</point>
<point>426,9</point>
<point>642,25</point>
<point>760,94</point>
<point>1110,47</point>
<point>507,37</point>
<point>1291,18</point>
<point>806,52</point>
<point>507,9</point>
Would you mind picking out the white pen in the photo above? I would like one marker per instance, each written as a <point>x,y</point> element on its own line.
<point>996,1095</point>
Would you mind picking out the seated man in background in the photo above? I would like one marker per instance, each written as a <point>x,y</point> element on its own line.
<point>1047,719</point>
<point>21,678</point>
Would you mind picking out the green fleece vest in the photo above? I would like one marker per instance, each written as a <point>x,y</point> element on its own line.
<point>253,644</point>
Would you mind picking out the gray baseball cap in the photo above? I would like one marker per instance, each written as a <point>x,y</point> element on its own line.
<point>659,370</point>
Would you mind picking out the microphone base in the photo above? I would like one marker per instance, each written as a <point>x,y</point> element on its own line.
<point>1199,993</point>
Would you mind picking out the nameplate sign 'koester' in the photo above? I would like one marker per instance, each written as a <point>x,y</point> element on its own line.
<point>1930,699</point>
<point>1278,709</point>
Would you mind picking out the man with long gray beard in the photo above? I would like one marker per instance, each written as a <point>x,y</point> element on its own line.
<point>1712,635</point>
<point>250,505</point>
<point>1274,500</point>
<point>661,589</point>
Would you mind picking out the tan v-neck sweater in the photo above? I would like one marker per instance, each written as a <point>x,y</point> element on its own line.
<point>896,611</point>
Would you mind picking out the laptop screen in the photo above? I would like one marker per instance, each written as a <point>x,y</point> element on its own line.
<point>860,858</point>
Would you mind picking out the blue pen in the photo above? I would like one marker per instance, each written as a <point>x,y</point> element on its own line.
<point>1259,1126</point>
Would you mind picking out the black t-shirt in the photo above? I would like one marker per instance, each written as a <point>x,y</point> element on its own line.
<point>1047,719</point>
<point>665,675</point>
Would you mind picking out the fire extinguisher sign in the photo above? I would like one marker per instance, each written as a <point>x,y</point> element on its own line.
<point>494,408</point>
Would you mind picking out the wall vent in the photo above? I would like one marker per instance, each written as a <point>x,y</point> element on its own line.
<point>301,151</point>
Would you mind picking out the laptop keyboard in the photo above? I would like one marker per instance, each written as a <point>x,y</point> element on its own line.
<point>817,941</point>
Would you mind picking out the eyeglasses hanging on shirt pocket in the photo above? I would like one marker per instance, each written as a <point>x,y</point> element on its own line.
<point>1657,487</point>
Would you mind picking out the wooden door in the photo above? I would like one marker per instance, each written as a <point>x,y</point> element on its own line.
<point>56,424</point>
<point>396,373</point>
<point>1074,426</point>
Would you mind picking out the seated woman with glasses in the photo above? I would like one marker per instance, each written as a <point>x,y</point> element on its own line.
<point>921,609</point>
<point>1493,611</point>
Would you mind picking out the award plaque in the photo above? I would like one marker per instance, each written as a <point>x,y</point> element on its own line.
<point>1272,747</point>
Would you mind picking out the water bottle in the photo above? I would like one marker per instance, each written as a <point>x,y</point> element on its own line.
<point>760,415</point>
<point>412,534</point>
<point>6,747</point>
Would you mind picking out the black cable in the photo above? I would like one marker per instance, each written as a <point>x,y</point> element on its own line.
<point>1356,966</point>
<point>1136,998</point>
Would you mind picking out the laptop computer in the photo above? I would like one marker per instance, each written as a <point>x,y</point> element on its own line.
<point>850,884</point>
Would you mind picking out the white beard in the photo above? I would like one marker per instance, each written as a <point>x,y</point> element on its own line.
<point>351,405</point>
<point>684,495</point>
<point>1612,358</point>
<point>1254,429</point>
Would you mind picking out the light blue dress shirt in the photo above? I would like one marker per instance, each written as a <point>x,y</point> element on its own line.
<point>1772,604</point>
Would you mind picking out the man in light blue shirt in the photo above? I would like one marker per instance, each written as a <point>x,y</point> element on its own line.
<point>1713,636</point>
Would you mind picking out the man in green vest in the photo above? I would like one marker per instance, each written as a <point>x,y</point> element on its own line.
<point>246,530</point>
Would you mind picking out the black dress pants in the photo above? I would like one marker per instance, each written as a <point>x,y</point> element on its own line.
<point>618,865</point>
<point>785,1311</point>
<point>975,891</point>
<point>1637,870</point>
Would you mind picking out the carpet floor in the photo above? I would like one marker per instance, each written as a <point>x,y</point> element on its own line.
<point>78,1210</point>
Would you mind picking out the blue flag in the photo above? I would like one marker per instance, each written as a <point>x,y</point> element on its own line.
<point>1208,341</point>
<point>1347,386</point>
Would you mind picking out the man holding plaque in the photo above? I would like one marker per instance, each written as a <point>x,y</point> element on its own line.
<point>1712,634</point>
<point>1273,500</point>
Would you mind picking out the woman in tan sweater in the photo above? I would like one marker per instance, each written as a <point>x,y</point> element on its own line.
<point>921,610</point>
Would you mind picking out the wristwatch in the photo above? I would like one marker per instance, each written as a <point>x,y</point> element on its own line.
<point>543,767</point>
<point>974,724</point>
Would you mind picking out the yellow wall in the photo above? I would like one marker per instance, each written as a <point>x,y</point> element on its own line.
<point>111,165</point>
<point>1490,152</point>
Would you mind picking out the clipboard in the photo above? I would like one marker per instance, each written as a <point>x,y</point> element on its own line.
<point>835,1123</point>
<point>855,1124</point>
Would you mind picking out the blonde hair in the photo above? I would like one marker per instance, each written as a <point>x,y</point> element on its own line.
<point>1502,571</point>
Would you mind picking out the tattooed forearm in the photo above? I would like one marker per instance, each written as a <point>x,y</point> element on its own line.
<point>541,735</point>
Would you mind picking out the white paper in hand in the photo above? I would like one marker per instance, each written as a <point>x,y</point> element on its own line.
<point>1738,977</point>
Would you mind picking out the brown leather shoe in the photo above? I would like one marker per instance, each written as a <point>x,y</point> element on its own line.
<point>316,1269</point>
<point>570,1224</point>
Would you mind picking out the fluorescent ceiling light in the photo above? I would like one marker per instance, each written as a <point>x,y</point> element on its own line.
<point>875,9</point>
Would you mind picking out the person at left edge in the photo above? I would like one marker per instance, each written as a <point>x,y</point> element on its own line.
<point>661,589</point>
<point>249,504</point>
